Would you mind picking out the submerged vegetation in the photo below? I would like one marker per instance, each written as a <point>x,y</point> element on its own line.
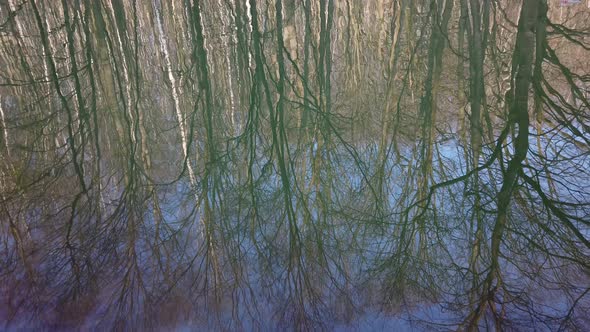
<point>305,164</point>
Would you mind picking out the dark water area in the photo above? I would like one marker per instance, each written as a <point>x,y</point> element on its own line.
<point>249,165</point>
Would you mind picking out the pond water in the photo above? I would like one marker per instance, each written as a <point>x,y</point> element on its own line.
<point>299,165</point>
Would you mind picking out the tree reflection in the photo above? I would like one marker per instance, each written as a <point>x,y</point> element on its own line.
<point>302,164</point>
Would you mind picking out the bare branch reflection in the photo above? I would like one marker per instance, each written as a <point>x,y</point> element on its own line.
<point>314,164</point>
